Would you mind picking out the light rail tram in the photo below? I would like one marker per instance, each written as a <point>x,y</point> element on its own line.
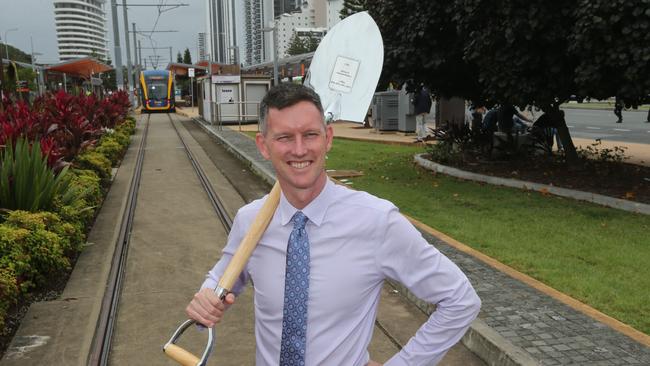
<point>157,91</point>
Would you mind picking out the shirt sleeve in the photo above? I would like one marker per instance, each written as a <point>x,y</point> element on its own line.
<point>405,256</point>
<point>234,239</point>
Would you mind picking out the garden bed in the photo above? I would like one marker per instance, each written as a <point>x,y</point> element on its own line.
<point>56,158</point>
<point>609,178</point>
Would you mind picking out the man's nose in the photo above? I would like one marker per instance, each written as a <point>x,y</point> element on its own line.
<point>299,146</point>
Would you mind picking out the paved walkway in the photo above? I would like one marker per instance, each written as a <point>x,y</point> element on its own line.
<point>546,329</point>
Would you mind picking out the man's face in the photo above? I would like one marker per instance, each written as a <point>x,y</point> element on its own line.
<point>296,143</point>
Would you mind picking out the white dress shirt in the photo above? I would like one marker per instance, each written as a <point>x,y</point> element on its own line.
<point>356,241</point>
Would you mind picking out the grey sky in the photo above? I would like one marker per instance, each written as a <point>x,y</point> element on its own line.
<point>35,19</point>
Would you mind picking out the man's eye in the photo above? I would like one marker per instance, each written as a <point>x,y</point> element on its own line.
<point>311,134</point>
<point>283,138</point>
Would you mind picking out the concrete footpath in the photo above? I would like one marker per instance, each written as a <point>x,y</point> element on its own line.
<point>519,323</point>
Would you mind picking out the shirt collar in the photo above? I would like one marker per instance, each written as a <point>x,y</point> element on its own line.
<point>315,210</point>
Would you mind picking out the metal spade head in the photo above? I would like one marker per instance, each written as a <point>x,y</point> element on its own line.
<point>346,66</point>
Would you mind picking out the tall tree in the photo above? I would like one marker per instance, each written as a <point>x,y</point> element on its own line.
<point>520,52</point>
<point>296,46</point>
<point>179,57</point>
<point>351,7</point>
<point>187,57</point>
<point>421,42</point>
<point>613,38</point>
<point>311,43</point>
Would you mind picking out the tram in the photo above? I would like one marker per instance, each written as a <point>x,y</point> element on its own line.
<point>157,91</point>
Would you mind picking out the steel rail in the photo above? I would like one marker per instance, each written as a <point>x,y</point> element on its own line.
<point>102,339</point>
<point>106,323</point>
<point>215,200</point>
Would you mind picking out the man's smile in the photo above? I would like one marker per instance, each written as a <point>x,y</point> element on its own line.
<point>300,164</point>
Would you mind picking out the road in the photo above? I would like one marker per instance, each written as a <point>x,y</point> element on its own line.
<point>601,124</point>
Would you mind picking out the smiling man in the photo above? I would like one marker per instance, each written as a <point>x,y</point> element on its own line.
<point>319,268</point>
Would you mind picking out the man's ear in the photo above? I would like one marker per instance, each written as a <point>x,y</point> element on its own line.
<point>261,146</point>
<point>329,135</point>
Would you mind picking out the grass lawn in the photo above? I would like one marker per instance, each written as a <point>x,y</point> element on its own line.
<point>600,105</point>
<point>598,255</point>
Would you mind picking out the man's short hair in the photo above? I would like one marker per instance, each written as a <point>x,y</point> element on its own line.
<point>286,95</point>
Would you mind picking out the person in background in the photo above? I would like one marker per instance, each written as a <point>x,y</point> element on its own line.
<point>422,102</point>
<point>618,108</point>
<point>320,266</point>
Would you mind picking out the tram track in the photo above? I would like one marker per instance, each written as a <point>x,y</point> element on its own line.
<point>105,327</point>
<point>103,337</point>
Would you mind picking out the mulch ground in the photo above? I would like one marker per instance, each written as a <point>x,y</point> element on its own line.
<point>619,180</point>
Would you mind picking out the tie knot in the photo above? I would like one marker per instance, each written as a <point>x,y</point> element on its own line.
<point>299,219</point>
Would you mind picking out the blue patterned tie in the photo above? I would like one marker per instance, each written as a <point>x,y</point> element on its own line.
<point>296,294</point>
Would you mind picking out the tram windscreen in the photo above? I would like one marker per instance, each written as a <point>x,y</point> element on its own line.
<point>157,90</point>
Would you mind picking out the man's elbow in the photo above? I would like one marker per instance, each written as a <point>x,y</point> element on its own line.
<point>475,303</point>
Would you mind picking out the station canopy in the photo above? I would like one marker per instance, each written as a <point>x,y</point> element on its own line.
<point>82,67</point>
<point>181,69</point>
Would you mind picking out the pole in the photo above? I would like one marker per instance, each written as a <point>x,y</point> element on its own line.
<point>275,55</point>
<point>65,83</point>
<point>129,70</point>
<point>135,47</point>
<point>2,83</point>
<point>38,81</point>
<point>136,75</point>
<point>235,59</point>
<point>119,78</point>
<point>140,53</point>
<point>170,55</point>
<point>192,92</point>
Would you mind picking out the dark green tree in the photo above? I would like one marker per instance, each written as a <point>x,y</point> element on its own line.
<point>15,54</point>
<point>179,57</point>
<point>613,40</point>
<point>520,52</point>
<point>311,43</point>
<point>187,57</point>
<point>296,46</point>
<point>426,50</point>
<point>352,6</point>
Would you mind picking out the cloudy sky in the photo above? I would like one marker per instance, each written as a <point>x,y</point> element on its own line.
<point>35,21</point>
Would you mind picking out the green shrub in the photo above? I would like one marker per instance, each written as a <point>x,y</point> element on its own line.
<point>127,127</point>
<point>41,249</point>
<point>88,186</point>
<point>111,149</point>
<point>96,162</point>
<point>27,182</point>
<point>123,138</point>
<point>8,292</point>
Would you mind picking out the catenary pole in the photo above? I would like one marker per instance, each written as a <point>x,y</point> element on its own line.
<point>127,44</point>
<point>119,78</point>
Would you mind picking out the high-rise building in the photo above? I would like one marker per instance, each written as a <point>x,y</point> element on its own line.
<point>253,24</point>
<point>286,6</point>
<point>80,29</point>
<point>221,35</point>
<point>333,12</point>
<point>287,24</point>
<point>201,47</point>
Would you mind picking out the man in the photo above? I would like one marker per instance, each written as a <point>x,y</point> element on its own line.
<point>422,103</point>
<point>508,117</point>
<point>319,267</point>
<point>618,108</point>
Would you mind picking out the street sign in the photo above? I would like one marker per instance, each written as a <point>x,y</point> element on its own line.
<point>22,86</point>
<point>190,72</point>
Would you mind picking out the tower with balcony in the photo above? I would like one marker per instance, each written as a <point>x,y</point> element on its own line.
<point>81,29</point>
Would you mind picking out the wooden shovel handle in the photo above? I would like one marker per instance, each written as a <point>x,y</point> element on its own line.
<point>180,355</point>
<point>248,244</point>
